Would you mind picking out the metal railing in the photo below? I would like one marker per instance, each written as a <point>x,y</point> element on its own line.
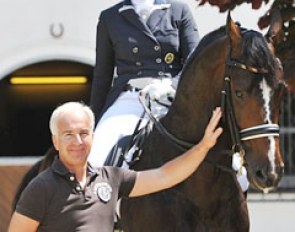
<point>287,133</point>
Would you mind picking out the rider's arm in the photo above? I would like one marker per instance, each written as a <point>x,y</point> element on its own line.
<point>188,33</point>
<point>22,223</point>
<point>181,167</point>
<point>103,70</point>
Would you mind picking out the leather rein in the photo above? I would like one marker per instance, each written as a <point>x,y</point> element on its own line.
<point>237,136</point>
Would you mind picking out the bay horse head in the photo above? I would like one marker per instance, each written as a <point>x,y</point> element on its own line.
<point>253,89</point>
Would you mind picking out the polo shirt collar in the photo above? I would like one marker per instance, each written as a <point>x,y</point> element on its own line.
<point>59,168</point>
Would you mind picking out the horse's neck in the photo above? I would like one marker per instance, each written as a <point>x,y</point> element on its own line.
<point>198,93</point>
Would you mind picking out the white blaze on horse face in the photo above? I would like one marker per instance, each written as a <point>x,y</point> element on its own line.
<point>266,95</point>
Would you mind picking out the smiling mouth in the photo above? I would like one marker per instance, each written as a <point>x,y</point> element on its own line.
<point>77,149</point>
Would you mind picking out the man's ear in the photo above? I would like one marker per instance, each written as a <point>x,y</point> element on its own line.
<point>54,141</point>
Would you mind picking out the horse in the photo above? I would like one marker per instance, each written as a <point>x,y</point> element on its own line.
<point>234,68</point>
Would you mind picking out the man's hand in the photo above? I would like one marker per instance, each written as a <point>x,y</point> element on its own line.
<point>212,133</point>
<point>181,167</point>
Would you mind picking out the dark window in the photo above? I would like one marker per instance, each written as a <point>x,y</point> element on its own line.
<point>25,109</point>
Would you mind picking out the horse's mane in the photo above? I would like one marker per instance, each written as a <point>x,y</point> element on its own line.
<point>254,49</point>
<point>205,41</point>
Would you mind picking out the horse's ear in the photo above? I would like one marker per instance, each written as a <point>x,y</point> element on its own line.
<point>273,34</point>
<point>234,35</point>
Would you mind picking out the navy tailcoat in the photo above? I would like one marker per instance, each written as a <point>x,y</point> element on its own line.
<point>129,48</point>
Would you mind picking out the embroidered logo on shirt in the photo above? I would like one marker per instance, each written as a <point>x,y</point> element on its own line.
<point>103,191</point>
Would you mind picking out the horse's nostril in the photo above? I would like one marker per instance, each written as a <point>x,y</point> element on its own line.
<point>269,182</point>
<point>268,178</point>
<point>260,174</point>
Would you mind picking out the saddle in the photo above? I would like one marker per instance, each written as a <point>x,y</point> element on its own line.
<point>129,148</point>
<point>157,99</point>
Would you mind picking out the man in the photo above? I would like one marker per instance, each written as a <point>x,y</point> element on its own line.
<point>71,196</point>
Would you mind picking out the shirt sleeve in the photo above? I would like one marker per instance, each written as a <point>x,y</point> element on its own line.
<point>127,182</point>
<point>32,202</point>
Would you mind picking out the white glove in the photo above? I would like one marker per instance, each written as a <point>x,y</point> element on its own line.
<point>159,89</point>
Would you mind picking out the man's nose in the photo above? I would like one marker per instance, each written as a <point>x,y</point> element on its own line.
<point>78,139</point>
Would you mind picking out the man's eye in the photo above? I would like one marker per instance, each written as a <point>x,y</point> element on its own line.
<point>84,134</point>
<point>68,135</point>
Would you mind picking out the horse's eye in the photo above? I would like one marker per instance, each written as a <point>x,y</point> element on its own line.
<point>239,94</point>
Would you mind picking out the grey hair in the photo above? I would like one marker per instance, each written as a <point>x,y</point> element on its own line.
<point>69,107</point>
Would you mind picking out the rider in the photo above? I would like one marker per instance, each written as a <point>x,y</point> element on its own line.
<point>141,40</point>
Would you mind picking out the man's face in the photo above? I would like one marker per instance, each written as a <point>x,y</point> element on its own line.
<point>73,139</point>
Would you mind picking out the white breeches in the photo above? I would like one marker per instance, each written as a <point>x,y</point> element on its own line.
<point>119,120</point>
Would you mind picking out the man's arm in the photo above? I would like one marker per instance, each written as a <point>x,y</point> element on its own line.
<point>22,223</point>
<point>180,168</point>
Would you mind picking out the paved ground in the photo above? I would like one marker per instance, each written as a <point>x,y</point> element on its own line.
<point>272,212</point>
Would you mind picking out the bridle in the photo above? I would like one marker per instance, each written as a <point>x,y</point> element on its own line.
<point>259,131</point>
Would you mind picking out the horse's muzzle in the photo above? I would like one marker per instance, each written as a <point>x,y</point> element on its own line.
<point>267,178</point>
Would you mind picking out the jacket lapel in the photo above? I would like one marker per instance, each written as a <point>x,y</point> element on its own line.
<point>156,17</point>
<point>129,14</point>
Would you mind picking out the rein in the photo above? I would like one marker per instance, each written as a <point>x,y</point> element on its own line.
<point>229,118</point>
<point>183,145</point>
